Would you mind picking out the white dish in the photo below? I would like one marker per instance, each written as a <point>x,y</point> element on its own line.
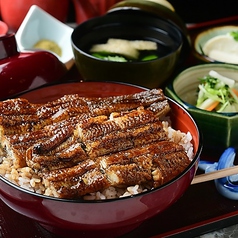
<point>217,45</point>
<point>223,48</point>
<point>38,25</point>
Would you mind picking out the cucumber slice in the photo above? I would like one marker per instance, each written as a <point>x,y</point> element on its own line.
<point>127,48</point>
<point>115,58</point>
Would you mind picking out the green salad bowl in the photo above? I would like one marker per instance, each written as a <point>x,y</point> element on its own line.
<point>220,130</point>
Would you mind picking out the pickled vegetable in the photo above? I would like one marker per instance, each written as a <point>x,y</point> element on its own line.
<point>217,93</point>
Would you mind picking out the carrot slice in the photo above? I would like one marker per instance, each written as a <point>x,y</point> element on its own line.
<point>235,91</point>
<point>212,106</point>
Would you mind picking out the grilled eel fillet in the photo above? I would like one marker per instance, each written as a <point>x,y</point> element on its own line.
<point>123,149</point>
<point>151,165</point>
<point>18,116</point>
<point>97,136</point>
<point>23,124</point>
<point>82,145</point>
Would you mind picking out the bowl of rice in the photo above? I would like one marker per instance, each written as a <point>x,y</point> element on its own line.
<point>117,208</point>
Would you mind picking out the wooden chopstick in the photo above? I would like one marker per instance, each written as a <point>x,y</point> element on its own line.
<point>215,175</point>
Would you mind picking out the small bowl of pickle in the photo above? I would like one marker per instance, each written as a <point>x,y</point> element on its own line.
<point>210,93</point>
<point>41,31</point>
<point>217,44</point>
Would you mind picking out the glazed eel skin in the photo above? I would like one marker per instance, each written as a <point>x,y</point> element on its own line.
<point>80,145</point>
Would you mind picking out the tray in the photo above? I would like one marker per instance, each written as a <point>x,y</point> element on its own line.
<point>200,210</point>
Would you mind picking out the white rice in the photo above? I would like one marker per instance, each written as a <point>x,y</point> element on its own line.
<point>26,178</point>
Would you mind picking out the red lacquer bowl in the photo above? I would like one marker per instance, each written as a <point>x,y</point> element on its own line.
<point>24,71</point>
<point>106,218</point>
<point>3,28</point>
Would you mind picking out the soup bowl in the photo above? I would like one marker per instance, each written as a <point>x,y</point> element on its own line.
<point>128,25</point>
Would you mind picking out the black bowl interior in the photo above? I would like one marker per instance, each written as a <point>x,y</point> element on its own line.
<point>130,25</point>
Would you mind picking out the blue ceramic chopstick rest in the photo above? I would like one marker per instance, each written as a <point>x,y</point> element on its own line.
<point>227,186</point>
